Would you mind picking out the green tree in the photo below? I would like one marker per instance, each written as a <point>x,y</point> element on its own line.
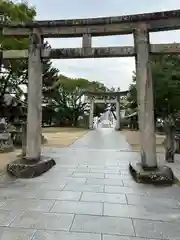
<point>13,73</point>
<point>166,85</point>
<point>96,86</point>
<point>68,97</point>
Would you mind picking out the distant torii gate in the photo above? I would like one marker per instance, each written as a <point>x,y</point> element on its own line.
<point>114,98</point>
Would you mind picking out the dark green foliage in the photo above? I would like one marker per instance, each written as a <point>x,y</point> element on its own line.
<point>166,83</point>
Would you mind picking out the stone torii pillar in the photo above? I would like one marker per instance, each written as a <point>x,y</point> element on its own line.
<point>118,114</point>
<point>34,116</point>
<point>147,170</point>
<point>145,96</point>
<point>33,164</point>
<point>91,113</point>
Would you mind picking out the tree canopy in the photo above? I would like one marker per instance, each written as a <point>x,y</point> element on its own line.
<point>67,96</point>
<point>166,85</point>
<point>13,74</point>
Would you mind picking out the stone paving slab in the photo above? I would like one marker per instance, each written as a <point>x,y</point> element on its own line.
<point>62,179</point>
<point>105,170</point>
<point>41,220</point>
<point>157,229</point>
<point>104,197</point>
<point>7,217</point>
<point>142,212</point>
<point>84,188</point>
<point>28,205</point>
<point>59,235</point>
<point>128,183</point>
<point>104,181</point>
<point>152,201</point>
<point>112,237</point>
<point>16,234</point>
<point>118,176</point>
<point>84,174</point>
<point>50,195</point>
<point>78,207</point>
<point>98,224</point>
<point>126,190</point>
<point>51,186</point>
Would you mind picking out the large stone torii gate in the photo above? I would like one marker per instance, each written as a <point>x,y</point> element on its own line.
<point>116,100</point>
<point>139,25</point>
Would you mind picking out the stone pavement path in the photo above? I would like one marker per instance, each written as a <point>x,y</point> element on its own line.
<point>88,195</point>
<point>103,138</point>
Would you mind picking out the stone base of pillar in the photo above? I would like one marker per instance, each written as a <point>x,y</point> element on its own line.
<point>161,175</point>
<point>23,168</point>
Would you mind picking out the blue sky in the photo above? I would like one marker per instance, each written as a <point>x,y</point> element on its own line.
<point>113,71</point>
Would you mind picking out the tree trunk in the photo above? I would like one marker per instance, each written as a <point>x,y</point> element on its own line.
<point>50,120</point>
<point>23,140</point>
<point>177,144</point>
<point>169,141</point>
<point>75,121</point>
